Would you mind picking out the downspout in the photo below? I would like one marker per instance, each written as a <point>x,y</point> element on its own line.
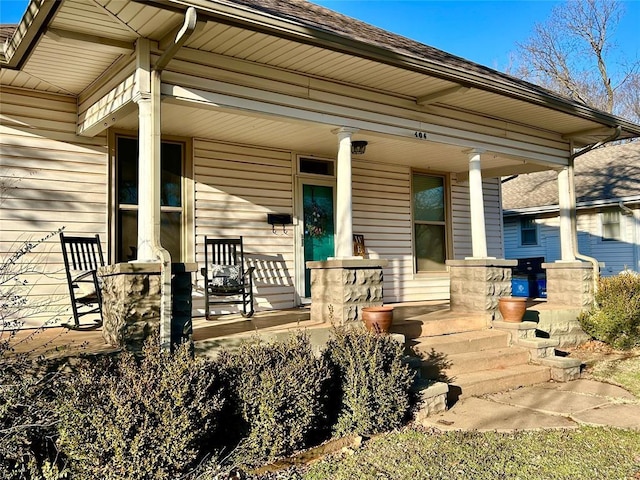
<point>572,210</point>
<point>166,302</point>
<point>627,211</point>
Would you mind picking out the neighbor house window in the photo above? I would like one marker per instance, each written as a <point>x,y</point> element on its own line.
<point>528,231</point>
<point>611,225</point>
<point>171,192</point>
<point>429,222</point>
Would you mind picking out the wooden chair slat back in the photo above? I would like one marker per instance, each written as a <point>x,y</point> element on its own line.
<point>224,251</point>
<point>82,253</point>
<point>227,252</point>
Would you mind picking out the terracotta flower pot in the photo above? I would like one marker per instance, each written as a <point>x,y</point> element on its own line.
<point>512,308</point>
<point>377,319</point>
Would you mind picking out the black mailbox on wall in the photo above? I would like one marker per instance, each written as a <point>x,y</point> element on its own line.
<point>283,219</point>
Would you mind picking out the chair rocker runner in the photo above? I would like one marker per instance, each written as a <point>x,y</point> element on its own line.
<point>82,257</point>
<point>226,280</point>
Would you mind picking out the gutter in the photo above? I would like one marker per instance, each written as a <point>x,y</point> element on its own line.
<point>33,24</point>
<point>247,17</point>
<point>572,210</point>
<point>283,27</point>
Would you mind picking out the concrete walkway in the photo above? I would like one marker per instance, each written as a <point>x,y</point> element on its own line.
<point>546,405</point>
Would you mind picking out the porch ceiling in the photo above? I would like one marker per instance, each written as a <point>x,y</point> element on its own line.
<point>306,138</point>
<point>85,38</point>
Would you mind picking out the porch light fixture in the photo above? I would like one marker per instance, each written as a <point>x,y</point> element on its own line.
<point>358,147</point>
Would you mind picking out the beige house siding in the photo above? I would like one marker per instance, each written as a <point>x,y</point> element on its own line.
<point>461,223</point>
<point>232,200</point>
<point>64,182</point>
<point>382,212</point>
<point>55,179</point>
<point>235,188</point>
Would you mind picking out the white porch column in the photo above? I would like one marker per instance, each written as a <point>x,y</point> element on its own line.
<point>149,182</point>
<point>148,157</point>
<point>476,199</point>
<point>344,214</point>
<point>566,202</point>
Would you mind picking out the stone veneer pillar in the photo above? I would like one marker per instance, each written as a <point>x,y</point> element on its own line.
<point>340,288</point>
<point>477,284</point>
<point>570,284</point>
<point>131,303</point>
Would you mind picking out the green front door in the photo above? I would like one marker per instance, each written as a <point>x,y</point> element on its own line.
<point>317,205</point>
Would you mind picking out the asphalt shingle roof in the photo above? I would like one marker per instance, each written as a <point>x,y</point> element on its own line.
<point>306,13</point>
<point>606,173</point>
<point>6,31</point>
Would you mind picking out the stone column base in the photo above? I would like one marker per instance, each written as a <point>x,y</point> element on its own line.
<point>477,284</point>
<point>569,284</point>
<point>340,288</point>
<point>131,296</point>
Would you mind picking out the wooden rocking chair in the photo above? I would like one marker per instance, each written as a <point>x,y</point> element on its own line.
<point>82,257</point>
<point>226,280</point>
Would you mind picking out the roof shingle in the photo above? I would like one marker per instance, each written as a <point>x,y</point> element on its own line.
<point>606,173</point>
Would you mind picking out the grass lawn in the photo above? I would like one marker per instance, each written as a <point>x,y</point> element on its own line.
<point>585,453</point>
<point>624,372</point>
<point>605,364</point>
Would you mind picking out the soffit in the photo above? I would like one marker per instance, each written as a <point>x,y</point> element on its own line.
<point>307,138</point>
<point>71,67</point>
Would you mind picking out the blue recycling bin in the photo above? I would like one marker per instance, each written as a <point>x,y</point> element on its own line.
<point>520,286</point>
<point>541,283</point>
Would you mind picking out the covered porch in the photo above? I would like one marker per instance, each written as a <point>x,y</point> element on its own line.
<point>210,120</point>
<point>424,193</point>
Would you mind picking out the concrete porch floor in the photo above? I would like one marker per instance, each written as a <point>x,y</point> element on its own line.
<point>229,330</point>
<point>208,335</point>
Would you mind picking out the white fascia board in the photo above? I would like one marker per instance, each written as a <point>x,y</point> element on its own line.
<point>279,26</point>
<point>220,94</point>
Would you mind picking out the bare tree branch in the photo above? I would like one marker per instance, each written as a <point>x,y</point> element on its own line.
<point>573,53</point>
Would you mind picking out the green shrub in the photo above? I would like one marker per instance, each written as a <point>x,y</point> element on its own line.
<point>279,391</point>
<point>615,318</point>
<point>373,384</point>
<point>152,417</point>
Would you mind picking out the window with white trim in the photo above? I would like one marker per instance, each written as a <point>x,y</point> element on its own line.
<point>611,228</point>
<point>172,219</point>
<point>528,231</point>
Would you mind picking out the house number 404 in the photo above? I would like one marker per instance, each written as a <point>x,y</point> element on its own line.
<point>421,135</point>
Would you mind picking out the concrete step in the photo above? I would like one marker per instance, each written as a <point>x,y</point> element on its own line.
<point>439,323</point>
<point>465,342</point>
<point>462,363</point>
<point>558,322</point>
<point>497,380</point>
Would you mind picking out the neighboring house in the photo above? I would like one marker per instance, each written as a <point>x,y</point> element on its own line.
<point>257,103</point>
<point>607,186</point>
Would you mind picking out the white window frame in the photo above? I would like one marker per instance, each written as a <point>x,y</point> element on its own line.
<point>521,229</point>
<point>603,225</point>
<point>187,209</point>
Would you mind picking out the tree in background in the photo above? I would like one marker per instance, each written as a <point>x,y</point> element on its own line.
<point>573,53</point>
